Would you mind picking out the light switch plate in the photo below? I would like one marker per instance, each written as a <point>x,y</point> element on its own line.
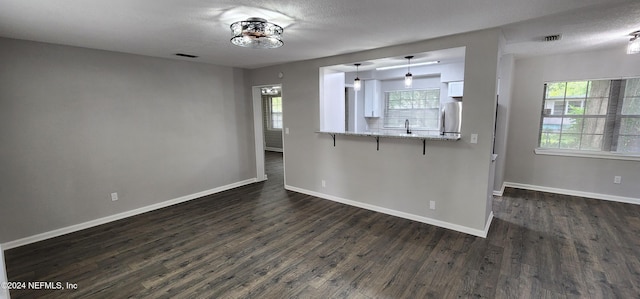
<point>474,138</point>
<point>286,131</point>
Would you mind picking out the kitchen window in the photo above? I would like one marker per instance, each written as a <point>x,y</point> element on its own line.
<point>420,107</point>
<point>591,116</point>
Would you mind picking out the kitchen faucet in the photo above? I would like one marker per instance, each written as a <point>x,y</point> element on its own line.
<point>406,125</point>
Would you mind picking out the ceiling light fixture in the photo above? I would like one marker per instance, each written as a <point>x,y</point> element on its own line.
<point>356,83</point>
<point>256,33</point>
<point>408,78</point>
<point>270,90</point>
<point>634,43</point>
<point>404,65</point>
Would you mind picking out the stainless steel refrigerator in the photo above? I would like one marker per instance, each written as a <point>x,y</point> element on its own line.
<point>451,117</point>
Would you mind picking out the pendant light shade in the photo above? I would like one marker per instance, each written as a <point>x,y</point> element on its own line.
<point>634,43</point>
<point>356,83</point>
<point>408,78</point>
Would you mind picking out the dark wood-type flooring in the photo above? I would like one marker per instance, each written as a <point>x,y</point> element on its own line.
<point>260,241</point>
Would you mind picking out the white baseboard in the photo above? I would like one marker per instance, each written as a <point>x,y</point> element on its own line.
<point>4,292</point>
<point>431,221</point>
<point>487,226</point>
<point>499,192</point>
<point>273,149</point>
<point>99,221</point>
<point>574,193</point>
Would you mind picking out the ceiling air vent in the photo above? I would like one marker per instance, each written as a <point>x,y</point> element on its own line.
<point>186,55</point>
<point>552,38</point>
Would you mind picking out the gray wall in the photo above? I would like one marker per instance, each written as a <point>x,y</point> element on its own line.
<point>273,137</point>
<point>570,173</point>
<point>77,124</point>
<point>398,177</point>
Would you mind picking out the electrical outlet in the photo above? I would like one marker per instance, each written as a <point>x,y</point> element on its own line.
<point>324,183</point>
<point>114,196</point>
<point>432,205</point>
<point>617,179</point>
<point>474,138</point>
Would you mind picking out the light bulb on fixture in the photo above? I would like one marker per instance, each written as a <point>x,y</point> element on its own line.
<point>356,83</point>
<point>408,78</point>
<point>634,43</point>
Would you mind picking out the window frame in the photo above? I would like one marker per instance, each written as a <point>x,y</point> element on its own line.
<point>612,119</point>
<point>386,109</point>
<point>271,113</point>
<point>620,115</point>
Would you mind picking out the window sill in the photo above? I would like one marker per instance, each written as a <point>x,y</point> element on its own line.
<point>588,154</point>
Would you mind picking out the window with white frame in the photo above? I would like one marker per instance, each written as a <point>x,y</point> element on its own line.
<point>420,107</point>
<point>628,128</point>
<point>591,115</point>
<point>275,113</point>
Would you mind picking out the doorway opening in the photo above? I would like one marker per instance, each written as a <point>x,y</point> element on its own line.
<point>268,130</point>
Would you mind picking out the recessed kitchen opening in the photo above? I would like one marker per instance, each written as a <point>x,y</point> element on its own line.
<point>432,105</point>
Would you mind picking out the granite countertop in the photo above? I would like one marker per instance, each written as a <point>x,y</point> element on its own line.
<point>414,135</point>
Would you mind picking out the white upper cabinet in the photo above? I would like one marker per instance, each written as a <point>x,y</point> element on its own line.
<point>372,98</point>
<point>456,89</point>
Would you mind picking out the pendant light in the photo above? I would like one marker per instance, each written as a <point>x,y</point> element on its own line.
<point>408,78</point>
<point>356,82</point>
<point>634,43</point>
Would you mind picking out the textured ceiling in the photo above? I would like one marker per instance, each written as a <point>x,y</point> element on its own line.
<point>314,29</point>
<point>601,26</point>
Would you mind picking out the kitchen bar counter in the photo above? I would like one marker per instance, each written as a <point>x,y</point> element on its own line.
<point>377,135</point>
<point>414,135</point>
